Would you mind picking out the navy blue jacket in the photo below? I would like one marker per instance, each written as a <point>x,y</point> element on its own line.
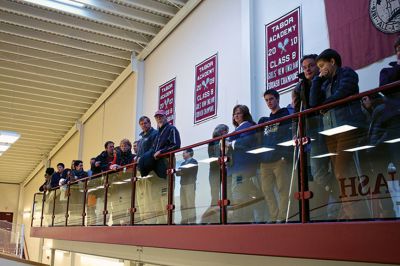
<point>167,139</point>
<point>146,141</point>
<point>342,85</point>
<point>241,160</point>
<point>188,175</point>
<point>389,74</point>
<point>274,134</point>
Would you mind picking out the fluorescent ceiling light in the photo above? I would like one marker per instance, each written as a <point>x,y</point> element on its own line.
<point>360,148</point>
<point>189,165</point>
<point>392,140</point>
<point>71,3</point>
<point>337,130</point>
<point>209,160</point>
<point>324,155</point>
<point>4,147</point>
<point>8,136</point>
<point>73,7</point>
<point>260,150</point>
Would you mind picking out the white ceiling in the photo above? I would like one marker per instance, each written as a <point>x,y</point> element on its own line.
<point>54,65</point>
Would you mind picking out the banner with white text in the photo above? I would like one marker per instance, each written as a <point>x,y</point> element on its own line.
<point>283,51</point>
<point>205,95</point>
<point>166,99</point>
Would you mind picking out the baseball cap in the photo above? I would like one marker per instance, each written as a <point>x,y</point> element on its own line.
<point>160,112</point>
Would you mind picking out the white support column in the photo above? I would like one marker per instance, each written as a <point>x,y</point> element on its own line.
<point>80,128</point>
<point>138,68</point>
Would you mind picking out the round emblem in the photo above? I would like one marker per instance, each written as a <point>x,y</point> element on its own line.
<point>385,15</point>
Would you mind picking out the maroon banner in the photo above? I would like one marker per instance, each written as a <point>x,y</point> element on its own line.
<point>166,99</point>
<point>356,30</point>
<point>283,51</point>
<point>205,95</point>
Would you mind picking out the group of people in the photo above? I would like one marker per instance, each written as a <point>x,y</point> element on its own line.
<point>261,168</point>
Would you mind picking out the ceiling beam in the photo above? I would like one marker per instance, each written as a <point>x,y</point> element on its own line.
<point>104,18</point>
<point>54,73</point>
<point>62,40</point>
<point>25,59</point>
<point>74,22</point>
<point>154,6</point>
<point>13,102</point>
<point>23,85</point>
<point>126,12</point>
<point>49,56</point>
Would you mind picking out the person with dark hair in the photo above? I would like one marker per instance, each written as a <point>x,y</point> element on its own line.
<point>92,161</point>
<point>334,83</point>
<point>392,73</point>
<point>319,174</point>
<point>211,215</point>
<point>122,154</point>
<point>301,93</point>
<point>243,166</point>
<point>147,136</point>
<point>146,202</point>
<point>214,151</point>
<point>275,165</point>
<point>57,176</point>
<point>188,173</point>
<point>77,172</point>
<point>48,178</point>
<point>104,159</point>
<point>167,139</point>
<point>382,126</point>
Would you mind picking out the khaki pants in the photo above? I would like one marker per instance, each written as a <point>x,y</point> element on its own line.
<point>275,184</point>
<point>188,207</point>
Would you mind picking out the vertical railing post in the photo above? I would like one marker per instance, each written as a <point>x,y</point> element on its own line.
<point>33,209</point>
<point>67,209</point>
<point>84,202</point>
<point>42,215</point>
<point>224,201</point>
<point>170,172</point>
<point>133,194</point>
<point>305,217</point>
<point>54,207</point>
<point>105,212</point>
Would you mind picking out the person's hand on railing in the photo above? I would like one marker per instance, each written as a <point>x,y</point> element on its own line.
<point>114,166</point>
<point>156,154</point>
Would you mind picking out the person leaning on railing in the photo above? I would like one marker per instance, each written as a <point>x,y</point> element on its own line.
<point>392,73</point>
<point>104,159</point>
<point>334,83</point>
<point>47,183</point>
<point>122,154</point>
<point>276,165</point>
<point>243,166</point>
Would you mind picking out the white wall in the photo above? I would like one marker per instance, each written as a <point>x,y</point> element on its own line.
<point>9,203</point>
<point>213,27</point>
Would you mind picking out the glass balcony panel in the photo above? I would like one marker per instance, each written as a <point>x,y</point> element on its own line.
<point>48,208</point>
<point>76,200</point>
<point>60,209</point>
<point>353,160</point>
<point>95,201</point>
<point>261,177</point>
<point>37,209</point>
<point>195,181</point>
<point>119,197</point>
<point>152,195</point>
